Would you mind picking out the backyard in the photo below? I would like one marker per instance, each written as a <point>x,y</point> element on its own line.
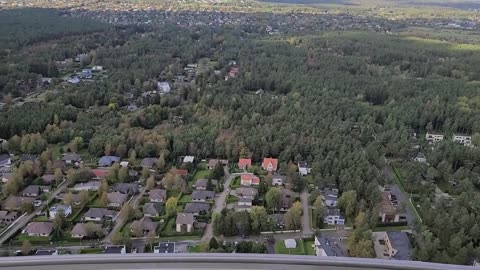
<point>281,249</point>
<point>201,174</point>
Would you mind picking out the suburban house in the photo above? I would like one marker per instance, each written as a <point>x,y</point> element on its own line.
<point>270,164</point>
<point>245,202</point>
<point>115,249</point>
<point>249,179</point>
<point>6,177</point>
<point>80,230</point>
<point>97,68</point>
<point>7,217</point>
<point>28,157</point>
<point>202,184</point>
<point>157,195</point>
<point>5,160</point>
<point>145,224</point>
<point>72,159</point>
<point>197,208</point>
<point>152,209</point>
<point>398,245</point>
<point>420,158</point>
<point>286,199</point>
<point>188,159</point>
<point>107,161</point>
<point>126,188</point>
<point>278,180</point>
<point>99,174</point>
<point>86,74</point>
<point>165,247</point>
<point>148,162</point>
<point>180,172</point>
<point>303,168</point>
<point>16,202</point>
<point>184,222</point>
<point>34,190</point>
<point>246,192</point>
<point>48,178</point>
<point>99,214</point>
<point>116,199</point>
<point>433,138</point>
<point>90,185</point>
<point>163,87</point>
<point>333,216</point>
<point>38,229</point>
<point>202,195</point>
<point>325,247</point>
<point>46,252</point>
<point>462,139</point>
<point>76,199</point>
<point>388,213</point>
<point>244,163</point>
<point>331,198</point>
<point>213,162</point>
<point>60,208</point>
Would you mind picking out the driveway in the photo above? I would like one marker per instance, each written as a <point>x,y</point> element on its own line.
<point>306,229</point>
<point>401,197</point>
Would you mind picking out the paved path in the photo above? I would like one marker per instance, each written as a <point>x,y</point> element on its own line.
<point>24,220</point>
<point>306,229</point>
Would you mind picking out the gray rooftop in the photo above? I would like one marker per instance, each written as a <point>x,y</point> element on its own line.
<point>329,246</point>
<point>197,208</point>
<point>400,242</point>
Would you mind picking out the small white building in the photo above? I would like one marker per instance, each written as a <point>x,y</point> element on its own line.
<point>462,139</point>
<point>188,159</point>
<point>163,87</point>
<point>420,158</point>
<point>290,243</point>
<point>55,210</point>
<point>97,68</point>
<point>303,168</point>
<point>334,217</point>
<point>433,138</point>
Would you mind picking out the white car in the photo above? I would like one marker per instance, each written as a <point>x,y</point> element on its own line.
<point>37,203</point>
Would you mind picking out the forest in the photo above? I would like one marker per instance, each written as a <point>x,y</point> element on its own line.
<point>342,101</point>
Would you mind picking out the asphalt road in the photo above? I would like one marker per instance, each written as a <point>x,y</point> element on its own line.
<point>306,228</point>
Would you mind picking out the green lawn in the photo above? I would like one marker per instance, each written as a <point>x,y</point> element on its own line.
<point>203,247</point>
<point>393,228</point>
<point>32,239</point>
<point>232,199</point>
<point>201,174</point>
<point>281,249</point>
<point>309,179</point>
<point>96,203</point>
<point>308,247</point>
<point>235,183</point>
<point>41,218</point>
<point>185,199</point>
<point>173,193</point>
<point>91,251</point>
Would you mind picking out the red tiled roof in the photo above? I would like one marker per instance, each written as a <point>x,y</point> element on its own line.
<point>100,173</point>
<point>246,178</point>
<point>244,161</point>
<point>267,161</point>
<point>180,172</point>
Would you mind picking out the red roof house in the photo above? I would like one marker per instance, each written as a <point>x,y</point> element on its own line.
<point>99,173</point>
<point>244,163</point>
<point>248,179</point>
<point>270,164</point>
<point>180,172</point>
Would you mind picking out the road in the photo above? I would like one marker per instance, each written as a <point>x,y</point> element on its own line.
<point>23,221</point>
<point>219,203</point>
<point>306,228</point>
<point>120,221</point>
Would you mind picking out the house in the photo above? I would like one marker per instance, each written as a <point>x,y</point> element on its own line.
<point>202,195</point>
<point>433,138</point>
<point>184,222</point>
<point>72,159</point>
<point>327,247</point>
<point>126,188</point>
<point>60,208</point>
<point>124,164</point>
<point>152,209</point>
<point>278,180</point>
<point>244,202</point>
<point>244,163</point>
<point>86,74</point>
<point>330,198</point>
<point>5,160</point>
<point>132,107</point>
<point>97,68</point>
<point>197,208</point>
<point>234,71</point>
<point>16,203</point>
<point>213,162</point>
<point>48,178</point>
<point>201,184</point>
<point>466,140</point>
<point>6,177</point>
<point>116,199</point>
<point>398,245</point>
<point>148,162</point>
<point>99,214</point>
<point>80,230</point>
<point>73,80</point>
<point>89,186</point>
<point>76,199</point>
<point>286,199</point>
<point>249,179</point>
<point>7,217</point>
<point>180,172</point>
<point>107,161</point>
<point>333,216</point>
<point>246,192</point>
<point>388,213</point>
<point>164,248</point>
<point>28,157</point>
<point>38,229</point>
<point>420,158</point>
<point>163,87</point>
<point>34,190</point>
<point>157,195</point>
<point>303,168</point>
<point>145,224</point>
<point>270,164</point>
<point>188,159</point>
<point>99,174</point>
<point>120,249</point>
<point>46,252</point>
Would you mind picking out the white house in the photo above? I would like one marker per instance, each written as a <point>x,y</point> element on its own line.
<point>163,87</point>
<point>278,180</point>
<point>433,138</point>
<point>420,158</point>
<point>333,217</point>
<point>325,247</point>
<point>303,168</point>
<point>462,139</point>
<point>97,68</point>
<point>56,209</point>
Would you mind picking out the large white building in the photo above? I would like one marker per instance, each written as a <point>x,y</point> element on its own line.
<point>433,138</point>
<point>463,139</point>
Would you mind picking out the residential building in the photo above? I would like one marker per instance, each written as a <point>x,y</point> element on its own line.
<point>201,184</point>
<point>213,162</point>
<point>129,189</point>
<point>48,179</point>
<point>99,214</point>
<point>148,162</point>
<point>433,138</point>
<point>46,252</point>
<point>333,216</point>
<point>188,159</point>
<point>99,174</point>
<point>286,199</point>
<point>28,157</point>
<point>420,158</point>
<point>180,172</point>
<point>164,248</point>
<point>35,190</point>
<point>388,213</point>
<point>249,179</point>
<point>398,245</point>
<point>86,74</point>
<point>5,160</point>
<point>88,186</point>
<point>270,164</point>
<point>38,229</point>
<point>7,217</point>
<point>80,230</point>
<point>326,247</point>
<point>59,208</point>
<point>107,161</point>
<point>278,180</point>
<point>202,195</point>
<point>97,68</point>
<point>303,168</point>
<point>152,209</point>
<point>245,202</point>
<point>145,224</point>
<point>246,192</point>
<point>330,198</point>
<point>73,80</point>
<point>157,195</point>
<point>72,159</point>
<point>197,208</point>
<point>462,139</point>
<point>244,163</point>
<point>111,249</point>
<point>116,199</point>
<point>163,87</point>
<point>16,202</point>
<point>184,222</point>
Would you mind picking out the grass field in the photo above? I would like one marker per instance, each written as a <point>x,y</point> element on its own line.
<point>308,247</point>
<point>201,174</point>
<point>394,228</point>
<point>281,249</point>
<point>203,247</point>
<point>232,199</point>
<point>185,199</point>
<point>235,182</point>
